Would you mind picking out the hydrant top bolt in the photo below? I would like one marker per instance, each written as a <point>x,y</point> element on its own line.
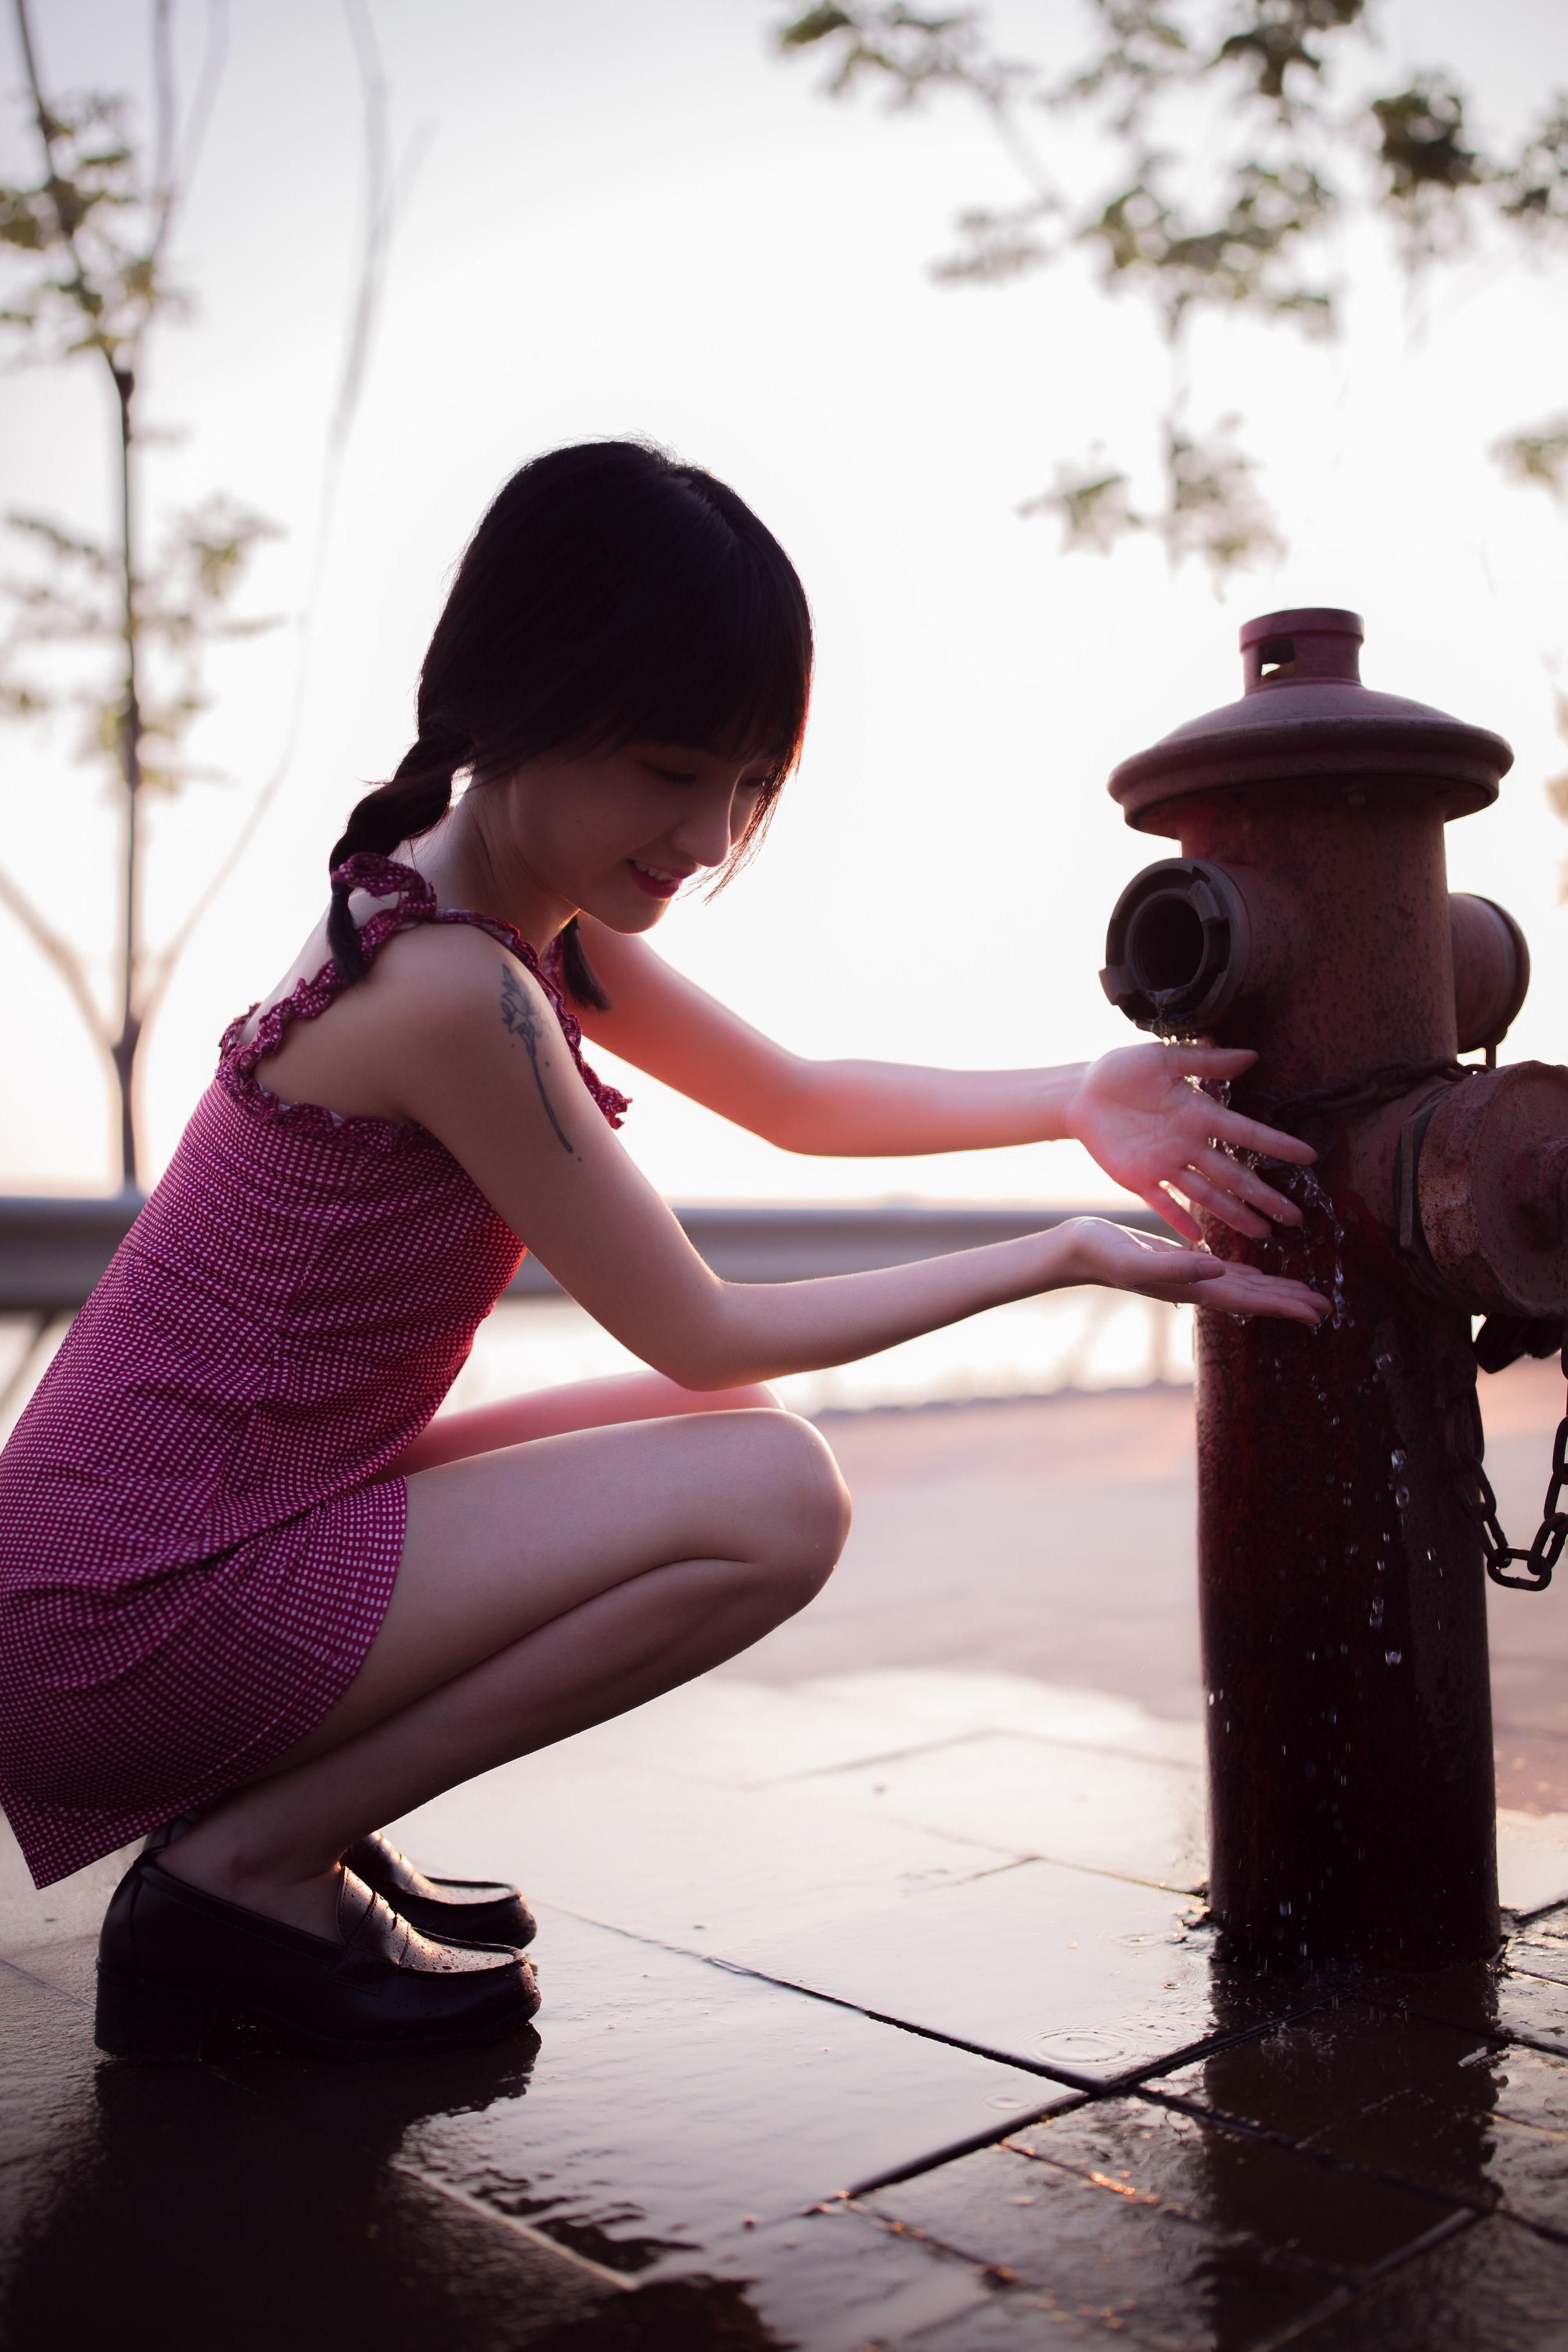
<point>1304,718</point>
<point>1320,643</point>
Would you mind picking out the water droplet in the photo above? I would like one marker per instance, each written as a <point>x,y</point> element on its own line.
<point>1381,1363</point>
<point>1402,1497</point>
<point>1393,1657</point>
<point>1398,1457</point>
<point>1376,1617</point>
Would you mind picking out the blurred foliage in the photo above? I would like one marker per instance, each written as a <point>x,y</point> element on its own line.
<point>1557,789</point>
<point>1234,136</point>
<point>1541,456</point>
<point>73,596</point>
<point>106,626</point>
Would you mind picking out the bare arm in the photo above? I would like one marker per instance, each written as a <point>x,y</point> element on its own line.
<point>664,1024</point>
<point>1139,1110</point>
<point>464,1042</point>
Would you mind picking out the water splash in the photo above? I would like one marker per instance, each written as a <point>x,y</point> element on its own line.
<point>1311,1196</point>
<point>1164,1023</point>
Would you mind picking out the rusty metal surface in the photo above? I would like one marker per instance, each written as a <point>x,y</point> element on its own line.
<point>1344,1616</point>
<point>1309,717</point>
<point>1491,1191</point>
<point>1492,970</point>
<point>1342,1588</point>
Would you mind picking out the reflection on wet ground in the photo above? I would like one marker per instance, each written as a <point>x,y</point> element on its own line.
<point>687,2154</point>
<point>870,2019</point>
<point>879,2009</point>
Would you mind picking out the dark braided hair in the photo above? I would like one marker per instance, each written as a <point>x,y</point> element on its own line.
<point>611,595</point>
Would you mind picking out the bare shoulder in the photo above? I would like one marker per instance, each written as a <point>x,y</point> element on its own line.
<point>435,995</point>
<point>434,969</point>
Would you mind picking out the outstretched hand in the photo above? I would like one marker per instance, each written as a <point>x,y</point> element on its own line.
<point>1158,1135</point>
<point>1156,1269</point>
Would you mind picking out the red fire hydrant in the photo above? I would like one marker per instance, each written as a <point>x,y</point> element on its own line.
<point>1339,1488</point>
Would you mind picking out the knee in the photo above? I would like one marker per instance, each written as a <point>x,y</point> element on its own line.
<point>809,1512</point>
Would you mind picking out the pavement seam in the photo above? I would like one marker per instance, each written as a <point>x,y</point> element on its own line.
<point>1345,2165</point>
<point>985,1731</point>
<point>1464,2218</point>
<point>540,2239</point>
<point>972,2146</point>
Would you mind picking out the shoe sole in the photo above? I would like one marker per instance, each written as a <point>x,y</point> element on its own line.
<point>166,2024</point>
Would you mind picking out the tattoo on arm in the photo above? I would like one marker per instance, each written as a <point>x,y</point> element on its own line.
<point>519,1019</point>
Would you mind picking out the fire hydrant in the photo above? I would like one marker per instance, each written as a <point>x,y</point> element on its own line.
<point>1340,1494</point>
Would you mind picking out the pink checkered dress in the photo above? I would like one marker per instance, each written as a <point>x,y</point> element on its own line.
<point>197,1537</point>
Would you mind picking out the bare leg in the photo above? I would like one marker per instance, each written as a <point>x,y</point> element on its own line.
<point>542,1587</point>
<point>549,1412</point>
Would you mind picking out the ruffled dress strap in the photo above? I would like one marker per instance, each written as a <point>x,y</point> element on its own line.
<point>414,904</point>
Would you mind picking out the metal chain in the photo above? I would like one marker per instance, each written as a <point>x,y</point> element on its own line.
<point>1380,1084</point>
<point>1474,1489</point>
<point>1383,1084</point>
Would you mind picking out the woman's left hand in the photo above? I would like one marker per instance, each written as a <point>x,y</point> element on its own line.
<point>1158,1135</point>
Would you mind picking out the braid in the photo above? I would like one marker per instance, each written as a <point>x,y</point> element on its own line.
<point>583,985</point>
<point>417,797</point>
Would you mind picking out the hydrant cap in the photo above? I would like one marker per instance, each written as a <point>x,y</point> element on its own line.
<point>1305,717</point>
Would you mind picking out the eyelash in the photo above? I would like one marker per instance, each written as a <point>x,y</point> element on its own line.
<point>680,776</point>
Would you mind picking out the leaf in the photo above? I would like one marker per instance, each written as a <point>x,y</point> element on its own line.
<point>911,52</point>
<point>1000,244</point>
<point>1532,191</point>
<point>1280,37</point>
<point>1234,261</point>
<point>1091,505</point>
<point>815,25</point>
<point>1541,456</point>
<point>1215,511</point>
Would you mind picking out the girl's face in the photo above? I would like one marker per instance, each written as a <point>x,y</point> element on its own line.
<point>614,833</point>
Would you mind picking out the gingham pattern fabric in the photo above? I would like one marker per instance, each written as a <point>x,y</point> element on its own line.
<point>196,1541</point>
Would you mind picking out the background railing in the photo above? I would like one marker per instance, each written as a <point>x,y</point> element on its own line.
<point>53,1250</point>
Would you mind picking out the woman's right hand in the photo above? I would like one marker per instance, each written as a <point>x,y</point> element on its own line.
<point>1104,1253</point>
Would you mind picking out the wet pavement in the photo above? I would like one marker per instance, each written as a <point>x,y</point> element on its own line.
<point>879,2009</point>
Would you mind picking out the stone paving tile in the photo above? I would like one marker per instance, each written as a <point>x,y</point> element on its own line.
<point>1091,1978</point>
<point>1276,2197</point>
<point>833,2281</point>
<point>952,1702</point>
<point>1494,2287</point>
<point>639,1848</point>
<point>1140,1818</point>
<point>744,1735</point>
<point>174,2206</point>
<point>1122,2219</point>
<point>673,2103</point>
<point>1540,1947</point>
<point>1508,2003</point>
<point>1436,2105</point>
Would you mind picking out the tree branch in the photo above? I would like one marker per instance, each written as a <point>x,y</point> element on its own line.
<point>364,312</point>
<point>185,148</point>
<point>48,132</point>
<point>58,951</point>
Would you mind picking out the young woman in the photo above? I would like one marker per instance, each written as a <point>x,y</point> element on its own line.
<point>244,1580</point>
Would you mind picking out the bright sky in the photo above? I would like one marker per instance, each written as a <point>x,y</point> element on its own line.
<point>636,219</point>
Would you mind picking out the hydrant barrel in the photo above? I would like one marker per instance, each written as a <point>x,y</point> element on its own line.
<point>1341,1586</point>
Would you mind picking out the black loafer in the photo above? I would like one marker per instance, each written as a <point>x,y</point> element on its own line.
<point>170,1955</point>
<point>457,1910</point>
